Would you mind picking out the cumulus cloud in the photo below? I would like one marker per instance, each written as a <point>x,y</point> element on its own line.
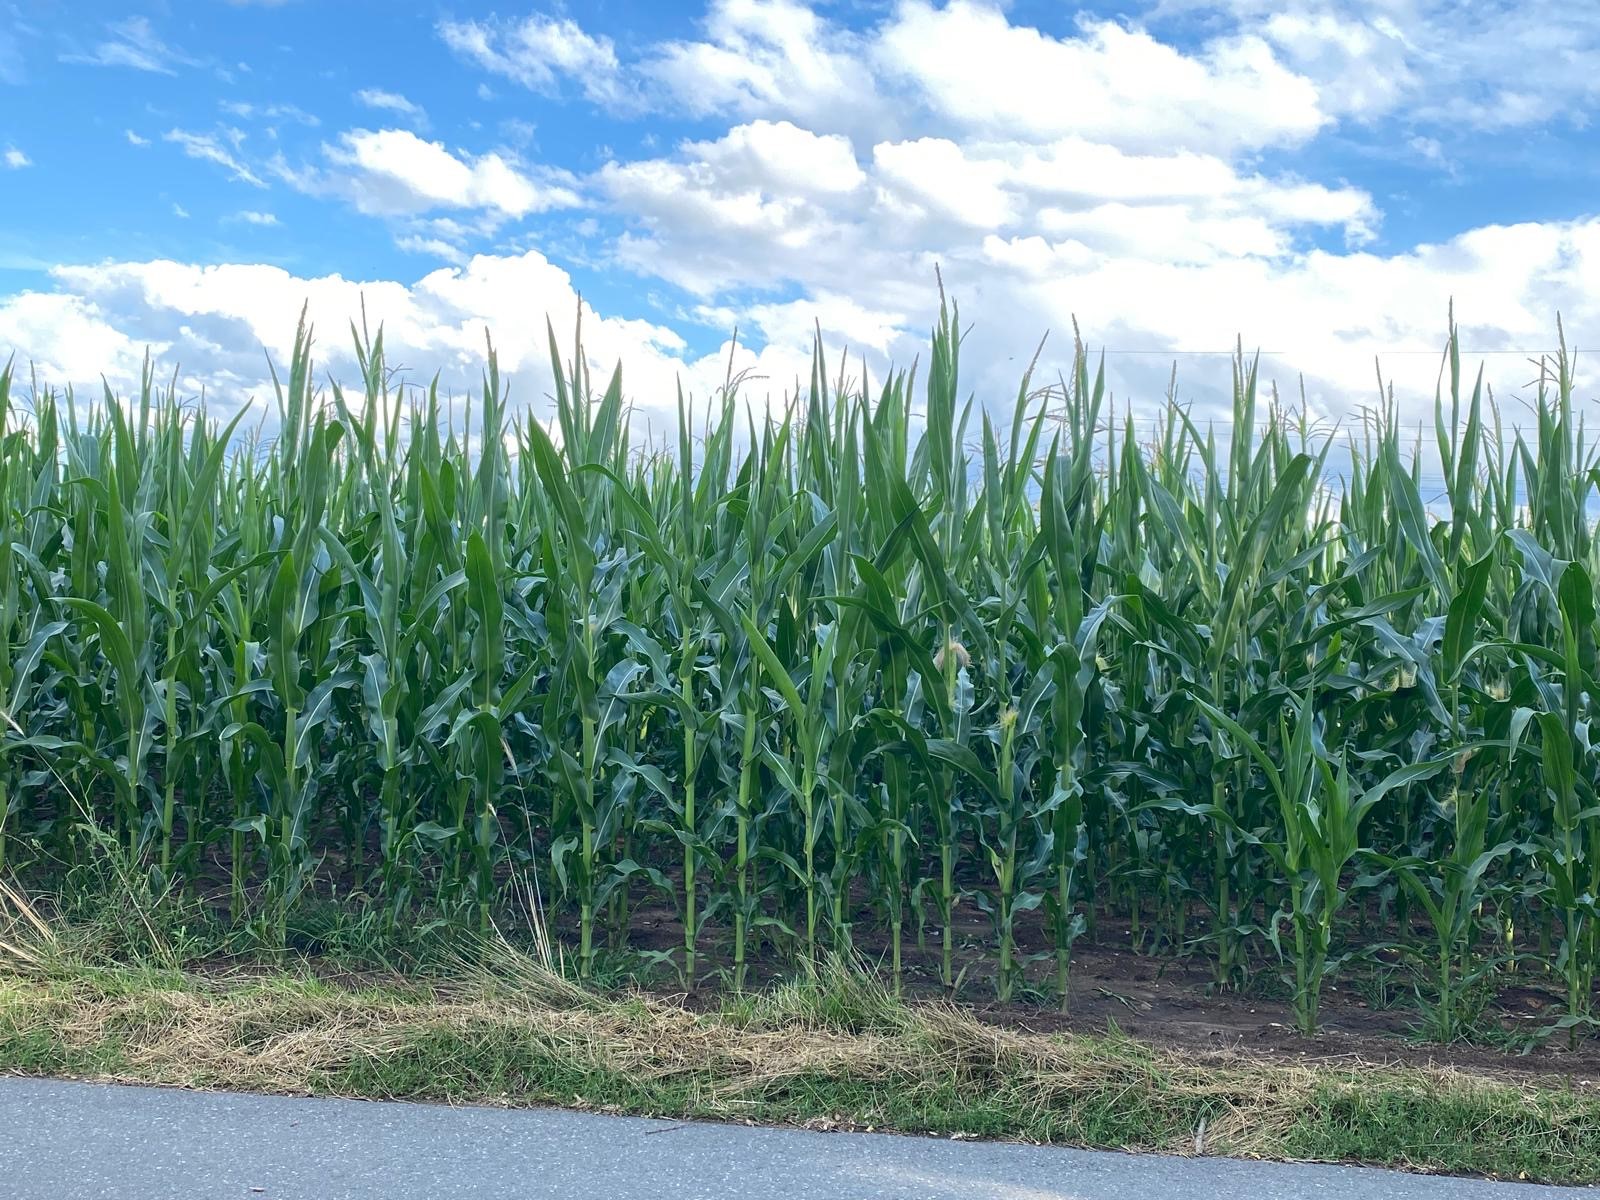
<point>772,58</point>
<point>1152,252</point>
<point>100,318</point>
<point>393,172</point>
<point>1155,177</point>
<point>770,203</point>
<point>67,337</point>
<point>973,67</point>
<point>1324,315</point>
<point>15,159</point>
<point>1319,315</point>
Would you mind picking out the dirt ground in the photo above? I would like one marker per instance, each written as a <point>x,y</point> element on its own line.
<point>1369,1013</point>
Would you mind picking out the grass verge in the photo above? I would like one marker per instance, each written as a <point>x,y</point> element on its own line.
<point>837,1052</point>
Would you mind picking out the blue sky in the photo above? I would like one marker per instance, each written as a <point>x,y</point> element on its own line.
<point>1320,176</point>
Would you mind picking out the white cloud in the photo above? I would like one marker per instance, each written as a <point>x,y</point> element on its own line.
<point>101,317</point>
<point>133,43</point>
<point>67,338</point>
<point>771,203</point>
<point>970,65</point>
<point>1323,314</point>
<point>15,159</point>
<point>1178,250</point>
<point>391,102</point>
<point>134,139</point>
<point>208,147</point>
<point>1149,184</point>
<point>247,111</point>
<point>1326,315</point>
<point>180,211</point>
<point>963,65</point>
<point>253,217</point>
<point>1272,72</point>
<point>12,57</point>
<point>1361,67</point>
<point>935,176</point>
<point>845,324</point>
<point>764,58</point>
<point>393,172</point>
<point>518,132</point>
<point>1475,64</point>
<point>780,156</point>
<point>538,52</point>
<point>431,247</point>
<point>727,214</point>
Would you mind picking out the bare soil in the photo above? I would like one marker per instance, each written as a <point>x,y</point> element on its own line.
<point>1369,1014</point>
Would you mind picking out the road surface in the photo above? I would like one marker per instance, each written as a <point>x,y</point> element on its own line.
<point>79,1141</point>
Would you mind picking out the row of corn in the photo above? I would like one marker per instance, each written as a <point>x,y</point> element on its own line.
<point>864,664</point>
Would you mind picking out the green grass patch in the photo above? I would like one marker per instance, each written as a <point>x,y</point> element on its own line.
<point>1544,1133</point>
<point>839,1052</point>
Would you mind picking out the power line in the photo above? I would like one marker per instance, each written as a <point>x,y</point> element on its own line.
<point>1343,350</point>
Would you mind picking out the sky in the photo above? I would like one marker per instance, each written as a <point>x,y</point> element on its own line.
<point>1319,178</point>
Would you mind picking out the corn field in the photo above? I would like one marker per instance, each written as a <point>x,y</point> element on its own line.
<point>853,665</point>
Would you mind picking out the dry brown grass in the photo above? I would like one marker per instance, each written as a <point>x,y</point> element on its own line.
<point>26,939</point>
<point>298,1036</point>
<point>837,1051</point>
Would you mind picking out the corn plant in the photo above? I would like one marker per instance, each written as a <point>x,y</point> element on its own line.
<point>821,670</point>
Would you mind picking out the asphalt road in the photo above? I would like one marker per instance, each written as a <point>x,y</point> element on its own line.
<point>77,1141</point>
